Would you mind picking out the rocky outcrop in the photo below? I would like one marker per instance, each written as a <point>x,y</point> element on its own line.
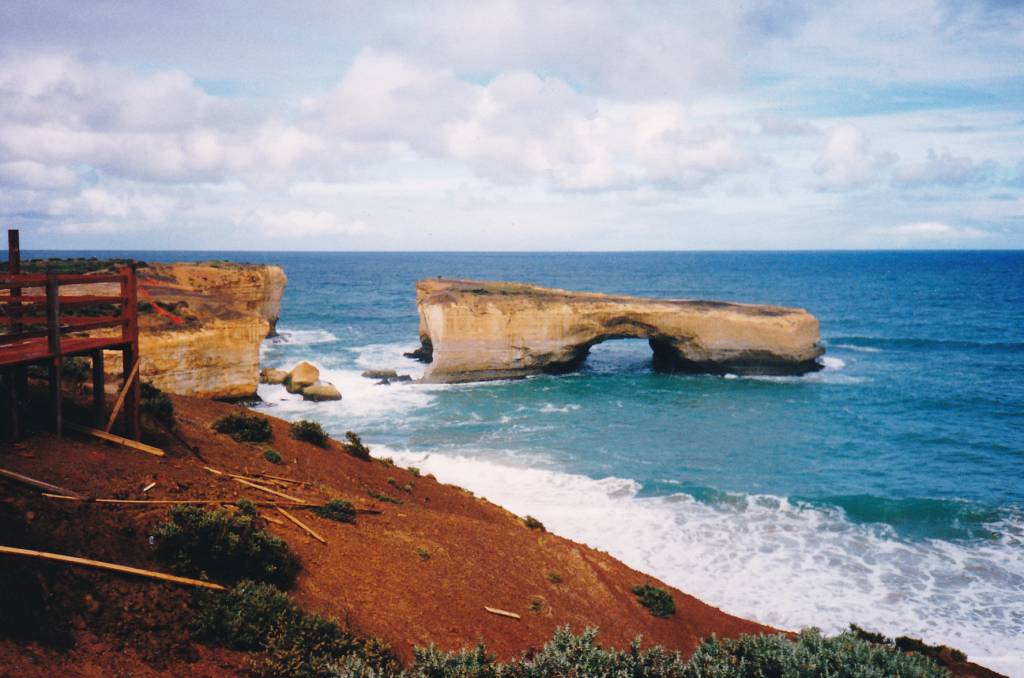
<point>225,312</point>
<point>473,330</point>
<point>321,391</point>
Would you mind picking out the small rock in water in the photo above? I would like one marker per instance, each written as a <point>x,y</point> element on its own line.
<point>321,390</point>
<point>380,374</point>
<point>301,376</point>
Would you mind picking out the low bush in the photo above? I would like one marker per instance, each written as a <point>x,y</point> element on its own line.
<point>658,601</point>
<point>310,432</point>
<point>293,644</point>
<point>423,553</point>
<point>273,456</point>
<point>908,644</point>
<point>225,546</point>
<point>555,577</point>
<point>337,509</point>
<point>810,655</point>
<point>244,427</point>
<point>157,404</point>
<point>355,445</point>
<point>414,470</point>
<point>533,523</point>
<point>387,498</point>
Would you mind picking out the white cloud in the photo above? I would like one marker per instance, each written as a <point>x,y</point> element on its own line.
<point>944,169</point>
<point>298,224</point>
<point>847,160</point>
<point>928,231</point>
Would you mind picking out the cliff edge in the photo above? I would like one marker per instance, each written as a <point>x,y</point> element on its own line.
<point>480,330</point>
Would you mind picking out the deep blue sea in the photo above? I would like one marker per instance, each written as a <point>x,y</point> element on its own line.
<point>886,490</point>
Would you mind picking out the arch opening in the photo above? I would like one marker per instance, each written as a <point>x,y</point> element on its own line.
<point>623,352</point>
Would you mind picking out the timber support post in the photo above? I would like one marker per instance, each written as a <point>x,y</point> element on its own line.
<point>130,352</point>
<point>98,386</point>
<point>55,362</point>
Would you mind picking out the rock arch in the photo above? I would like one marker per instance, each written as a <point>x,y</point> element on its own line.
<point>481,330</point>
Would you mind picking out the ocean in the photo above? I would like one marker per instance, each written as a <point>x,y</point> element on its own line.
<point>886,490</point>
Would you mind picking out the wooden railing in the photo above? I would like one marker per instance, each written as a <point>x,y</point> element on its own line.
<point>39,325</point>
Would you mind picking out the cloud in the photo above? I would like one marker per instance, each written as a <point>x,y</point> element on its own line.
<point>927,231</point>
<point>300,224</point>
<point>945,170</point>
<point>847,161</point>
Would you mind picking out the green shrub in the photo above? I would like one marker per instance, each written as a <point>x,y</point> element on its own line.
<point>310,432</point>
<point>533,523</point>
<point>555,577</point>
<point>273,456</point>
<point>355,446</point>
<point>293,644</point>
<point>811,654</point>
<point>337,509</point>
<point>414,470</point>
<point>387,498</point>
<point>222,545</point>
<point>658,601</point>
<point>423,553</point>
<point>244,427</point>
<point>907,644</point>
<point>77,369</point>
<point>157,404</point>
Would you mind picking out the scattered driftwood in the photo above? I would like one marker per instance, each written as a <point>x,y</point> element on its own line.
<point>38,484</point>
<point>121,396</point>
<point>283,479</point>
<point>149,487</point>
<point>301,524</point>
<point>110,437</point>
<point>143,502</point>
<point>45,555</point>
<point>502,613</point>
<point>266,489</point>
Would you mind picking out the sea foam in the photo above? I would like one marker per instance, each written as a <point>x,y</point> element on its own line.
<point>767,558</point>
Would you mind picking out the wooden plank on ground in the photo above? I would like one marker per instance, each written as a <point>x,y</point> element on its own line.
<point>502,613</point>
<point>265,489</point>
<point>113,567</point>
<point>200,502</point>
<point>120,440</point>
<point>38,484</point>
<point>301,524</point>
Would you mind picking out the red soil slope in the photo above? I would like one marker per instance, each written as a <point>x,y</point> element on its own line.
<point>373,575</point>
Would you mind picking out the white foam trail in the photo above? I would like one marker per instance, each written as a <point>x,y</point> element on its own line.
<point>388,356</point>
<point>781,563</point>
<point>858,349</point>
<point>550,408</point>
<point>302,337</point>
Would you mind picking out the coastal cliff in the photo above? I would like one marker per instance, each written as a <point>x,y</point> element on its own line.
<point>225,312</point>
<point>480,330</point>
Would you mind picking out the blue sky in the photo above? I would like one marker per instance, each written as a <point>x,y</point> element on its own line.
<point>513,125</point>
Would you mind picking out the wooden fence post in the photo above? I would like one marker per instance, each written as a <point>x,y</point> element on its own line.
<point>130,352</point>
<point>55,361</point>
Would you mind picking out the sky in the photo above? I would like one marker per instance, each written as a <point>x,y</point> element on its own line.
<point>478,125</point>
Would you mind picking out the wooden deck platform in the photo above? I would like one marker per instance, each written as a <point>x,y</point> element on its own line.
<point>47,328</point>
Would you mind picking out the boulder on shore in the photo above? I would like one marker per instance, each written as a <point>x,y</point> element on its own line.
<point>270,375</point>
<point>302,375</point>
<point>321,390</point>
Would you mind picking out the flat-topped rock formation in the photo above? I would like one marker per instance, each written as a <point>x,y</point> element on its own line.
<point>481,330</point>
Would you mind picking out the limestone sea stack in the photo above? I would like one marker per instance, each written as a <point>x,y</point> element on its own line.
<point>480,330</point>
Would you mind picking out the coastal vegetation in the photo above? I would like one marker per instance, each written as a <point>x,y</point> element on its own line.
<point>533,523</point>
<point>244,427</point>
<point>157,404</point>
<point>658,601</point>
<point>272,455</point>
<point>310,432</point>
<point>337,509</point>
<point>227,546</point>
<point>355,445</point>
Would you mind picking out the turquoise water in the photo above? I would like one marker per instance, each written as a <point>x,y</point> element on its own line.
<point>886,490</point>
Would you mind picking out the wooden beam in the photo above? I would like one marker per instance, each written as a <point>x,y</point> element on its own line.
<point>122,395</point>
<point>113,567</point>
<point>38,484</point>
<point>301,524</point>
<point>120,440</point>
<point>502,613</point>
<point>172,502</point>
<point>266,489</point>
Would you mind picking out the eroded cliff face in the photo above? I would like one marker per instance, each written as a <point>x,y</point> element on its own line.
<point>480,330</point>
<point>227,310</point>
